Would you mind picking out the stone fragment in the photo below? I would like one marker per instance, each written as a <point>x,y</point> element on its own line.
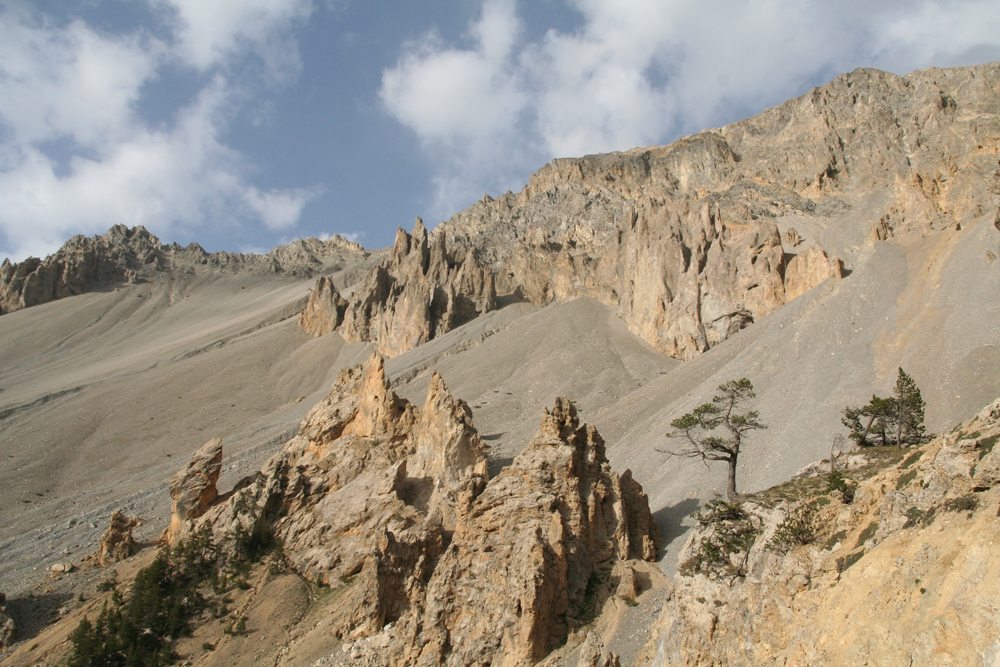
<point>627,586</point>
<point>8,629</point>
<point>418,293</point>
<point>325,309</point>
<point>792,237</point>
<point>809,269</point>
<point>593,653</point>
<point>117,543</point>
<point>193,489</point>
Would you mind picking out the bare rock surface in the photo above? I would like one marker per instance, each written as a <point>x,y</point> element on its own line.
<point>682,239</point>
<point>8,630</point>
<point>124,255</point>
<point>391,503</point>
<point>117,543</point>
<point>325,309</point>
<point>900,576</point>
<point>420,291</point>
<point>193,489</point>
<point>809,269</point>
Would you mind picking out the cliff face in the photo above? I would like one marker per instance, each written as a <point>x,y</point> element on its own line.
<point>684,240</point>
<point>420,291</point>
<point>124,255</point>
<point>905,574</point>
<point>390,504</point>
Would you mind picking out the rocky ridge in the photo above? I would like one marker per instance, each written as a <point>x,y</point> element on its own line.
<point>684,239</point>
<point>420,291</point>
<point>124,255</point>
<point>395,501</point>
<point>904,574</point>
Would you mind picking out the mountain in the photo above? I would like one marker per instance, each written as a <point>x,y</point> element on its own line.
<point>814,248</point>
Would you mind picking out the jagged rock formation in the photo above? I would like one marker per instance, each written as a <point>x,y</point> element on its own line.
<point>193,489</point>
<point>808,269</point>
<point>394,500</point>
<point>903,575</point>
<point>593,653</point>
<point>683,238</point>
<point>8,629</point>
<point>117,543</point>
<point>124,255</point>
<point>325,309</point>
<point>417,293</point>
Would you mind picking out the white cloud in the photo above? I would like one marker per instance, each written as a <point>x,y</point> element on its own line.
<point>210,31</point>
<point>78,88</point>
<point>637,72</point>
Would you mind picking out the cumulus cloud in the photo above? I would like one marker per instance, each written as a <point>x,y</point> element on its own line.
<point>638,72</point>
<point>75,154</point>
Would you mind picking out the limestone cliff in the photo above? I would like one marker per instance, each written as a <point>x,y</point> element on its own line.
<point>906,574</point>
<point>124,255</point>
<point>684,239</point>
<point>420,291</point>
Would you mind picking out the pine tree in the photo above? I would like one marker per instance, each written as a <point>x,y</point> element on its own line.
<point>694,428</point>
<point>909,410</point>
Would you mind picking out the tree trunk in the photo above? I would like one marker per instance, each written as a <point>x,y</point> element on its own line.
<point>864,436</point>
<point>731,494</point>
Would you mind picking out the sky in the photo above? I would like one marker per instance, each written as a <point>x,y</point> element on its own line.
<point>244,124</point>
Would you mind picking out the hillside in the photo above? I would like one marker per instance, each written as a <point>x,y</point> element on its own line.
<point>814,248</point>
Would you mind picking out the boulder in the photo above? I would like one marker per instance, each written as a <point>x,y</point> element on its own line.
<point>809,269</point>
<point>193,489</point>
<point>8,629</point>
<point>117,543</point>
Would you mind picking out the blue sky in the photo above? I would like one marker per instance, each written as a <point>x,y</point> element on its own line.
<point>241,124</point>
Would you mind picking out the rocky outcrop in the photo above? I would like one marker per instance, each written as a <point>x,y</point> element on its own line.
<point>682,239</point>
<point>901,576</point>
<point>117,543</point>
<point>391,503</point>
<point>8,629</point>
<point>421,291</point>
<point>193,489</point>
<point>593,653</point>
<point>325,309</point>
<point>808,269</point>
<point>513,584</point>
<point>124,255</point>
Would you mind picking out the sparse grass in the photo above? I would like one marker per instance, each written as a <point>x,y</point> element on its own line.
<point>986,445</point>
<point>916,516</point>
<point>967,503</point>
<point>911,459</point>
<point>867,533</point>
<point>836,537</point>
<point>905,479</point>
<point>849,560</point>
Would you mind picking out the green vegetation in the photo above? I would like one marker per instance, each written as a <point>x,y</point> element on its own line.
<point>899,417</point>
<point>696,429</point>
<point>733,532</point>
<point>915,516</point>
<point>867,533</point>
<point>138,628</point>
<point>797,529</point>
<point>905,478</point>
<point>986,445</point>
<point>967,503</point>
<point>839,485</point>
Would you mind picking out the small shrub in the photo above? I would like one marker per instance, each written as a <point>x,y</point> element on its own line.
<point>915,516</point>
<point>838,484</point>
<point>732,533</point>
<point>207,646</point>
<point>107,585</point>
<point>795,530</point>
<point>836,537</point>
<point>967,503</point>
